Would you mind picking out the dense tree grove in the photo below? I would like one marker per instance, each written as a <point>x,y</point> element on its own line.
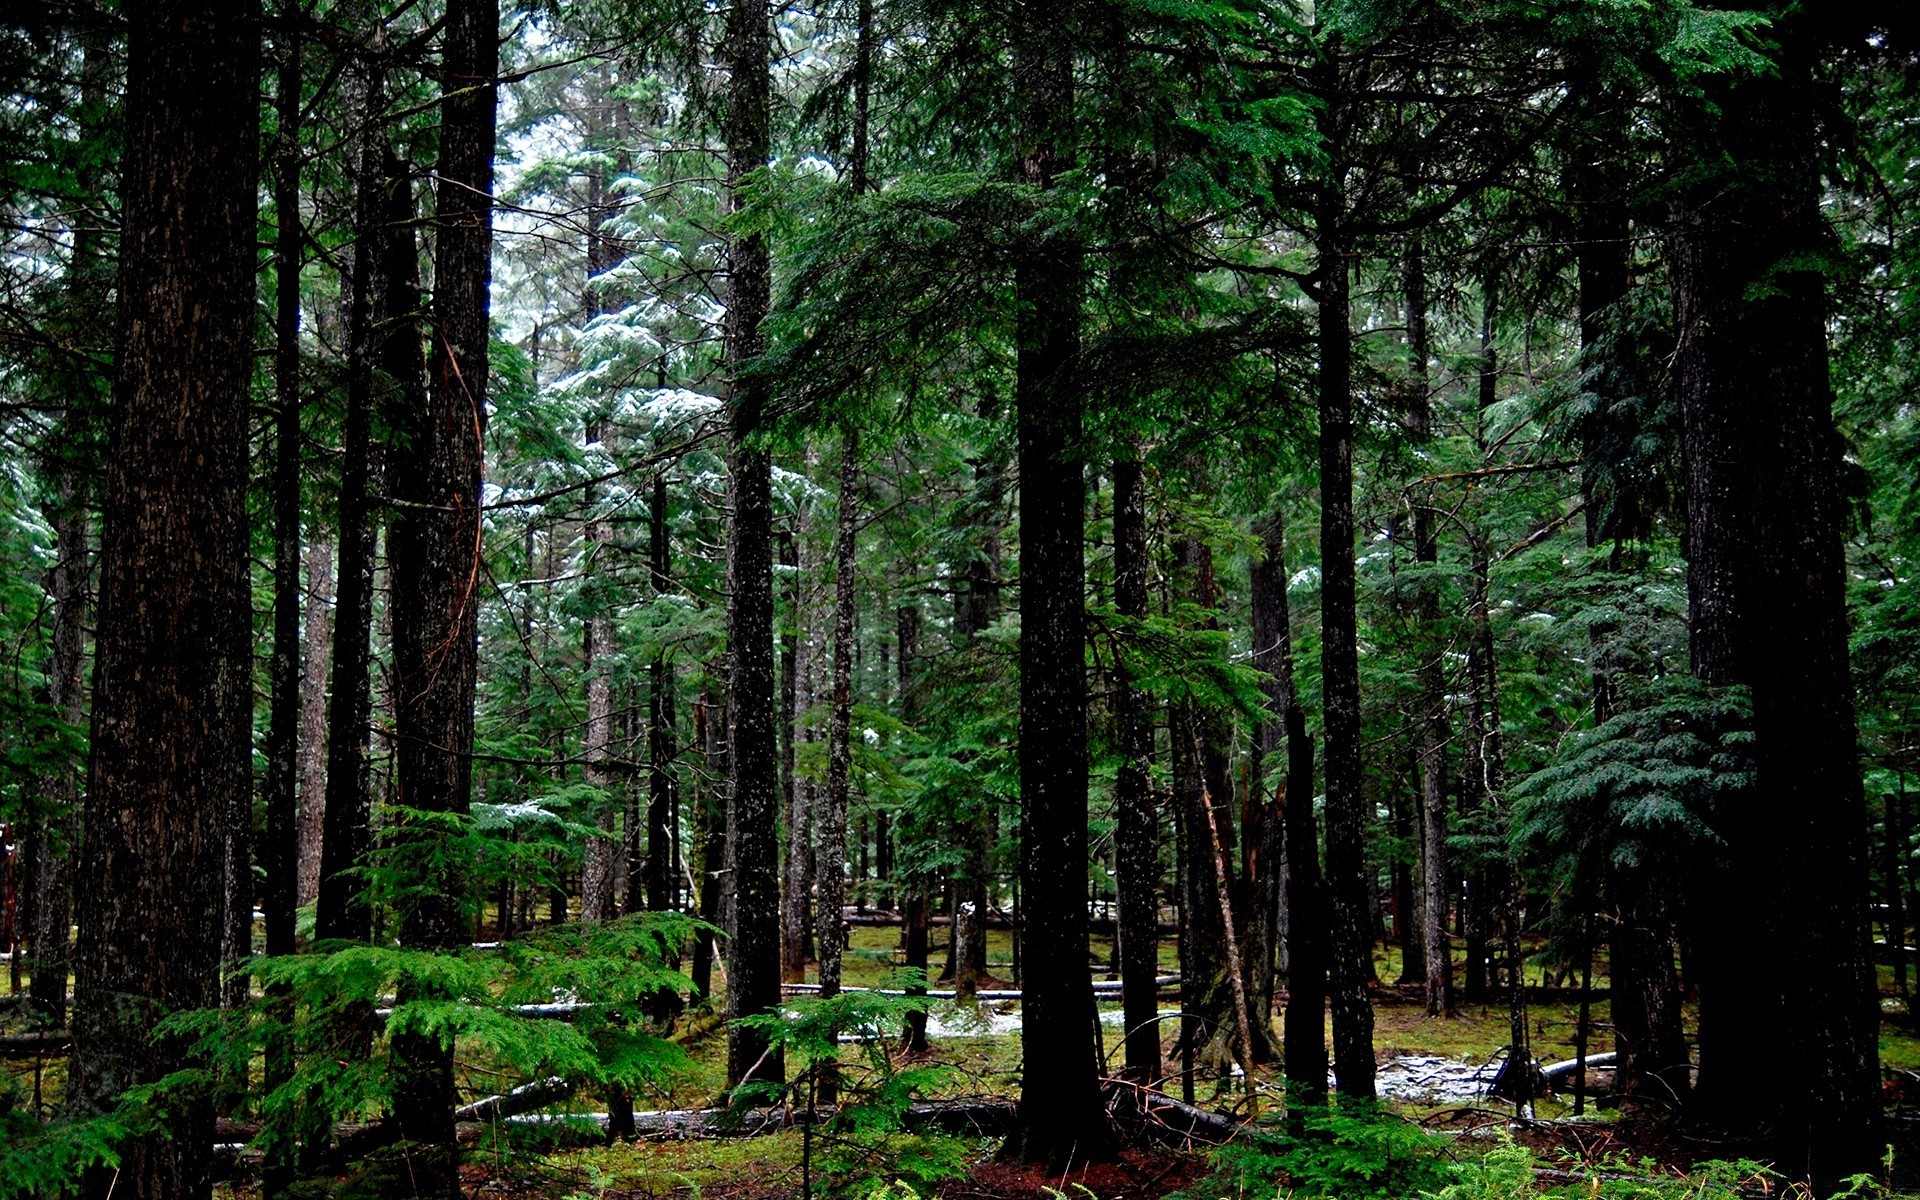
<point>1262,492</point>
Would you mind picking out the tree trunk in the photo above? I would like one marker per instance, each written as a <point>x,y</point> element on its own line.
<point>313,716</point>
<point>1061,1113</point>
<point>831,879</point>
<point>57,835</point>
<point>661,875</point>
<point>753,881</point>
<point>435,570</point>
<point>598,865</point>
<point>1795,1051</point>
<point>280,850</point>
<point>1435,727</point>
<point>798,699</point>
<point>1136,849</point>
<point>1351,956</point>
<point>173,700</point>
<point>1305,1061</point>
<point>342,911</point>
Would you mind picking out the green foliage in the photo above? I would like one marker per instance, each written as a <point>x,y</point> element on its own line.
<point>1346,1152</point>
<point>874,1094</point>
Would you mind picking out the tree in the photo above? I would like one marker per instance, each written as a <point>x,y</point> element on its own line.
<point>1061,1116</point>
<point>435,552</point>
<point>173,698</point>
<point>753,881</point>
<point>1766,582</point>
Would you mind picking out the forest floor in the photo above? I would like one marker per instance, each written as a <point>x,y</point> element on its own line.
<point>1432,1069</point>
<point>982,1061</point>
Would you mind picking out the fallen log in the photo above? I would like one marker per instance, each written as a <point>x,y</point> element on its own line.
<point>36,1044</point>
<point>1101,987</point>
<point>1552,1073</point>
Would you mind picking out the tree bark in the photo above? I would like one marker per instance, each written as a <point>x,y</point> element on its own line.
<point>753,880</point>
<point>173,701</point>
<point>1351,946</point>
<point>343,911</point>
<point>1061,1117</point>
<point>797,701</point>
<point>312,738</point>
<point>661,874</point>
<point>1136,850</point>
<point>435,571</point>
<point>1767,612</point>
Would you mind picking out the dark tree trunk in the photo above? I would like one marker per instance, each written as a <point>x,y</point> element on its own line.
<point>1061,1116</point>
<point>661,876</point>
<point>1794,1050</point>
<point>1351,930</point>
<point>56,834</point>
<point>173,699</point>
<point>1136,841</point>
<point>914,898</point>
<point>710,845</point>
<point>280,850</point>
<point>1305,1061</point>
<point>753,879</point>
<point>434,552</point>
<point>342,911</point>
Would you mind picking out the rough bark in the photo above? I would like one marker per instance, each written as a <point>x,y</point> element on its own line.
<point>173,701</point>
<point>1767,611</point>
<point>1351,940</point>
<point>1062,1118</point>
<point>753,880</point>
<point>1136,850</point>
<point>435,570</point>
<point>312,738</point>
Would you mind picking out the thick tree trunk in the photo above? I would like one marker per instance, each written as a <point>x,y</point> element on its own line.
<point>1766,588</point>
<point>313,716</point>
<point>173,700</point>
<point>1061,1117</point>
<point>435,566</point>
<point>1351,957</point>
<point>1136,850</point>
<point>753,881</point>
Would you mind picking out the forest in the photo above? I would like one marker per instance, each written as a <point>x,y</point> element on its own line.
<point>980,599</point>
